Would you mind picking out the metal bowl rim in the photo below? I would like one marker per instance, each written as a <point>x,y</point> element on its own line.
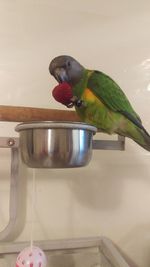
<point>54,125</point>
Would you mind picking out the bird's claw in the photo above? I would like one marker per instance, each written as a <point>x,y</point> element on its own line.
<point>70,105</point>
<point>75,101</point>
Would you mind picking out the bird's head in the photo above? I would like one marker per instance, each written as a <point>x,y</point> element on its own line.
<point>66,69</point>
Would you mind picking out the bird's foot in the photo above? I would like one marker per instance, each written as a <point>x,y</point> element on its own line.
<point>75,101</point>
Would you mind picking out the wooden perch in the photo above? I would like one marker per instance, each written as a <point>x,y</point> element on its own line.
<point>28,114</point>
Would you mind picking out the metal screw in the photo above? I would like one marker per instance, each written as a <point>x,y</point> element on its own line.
<point>10,142</point>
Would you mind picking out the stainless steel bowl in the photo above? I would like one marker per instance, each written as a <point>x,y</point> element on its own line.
<point>55,144</point>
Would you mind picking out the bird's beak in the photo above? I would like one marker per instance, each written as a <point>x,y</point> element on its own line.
<point>60,75</point>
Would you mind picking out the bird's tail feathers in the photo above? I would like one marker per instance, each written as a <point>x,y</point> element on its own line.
<point>139,135</point>
<point>144,140</point>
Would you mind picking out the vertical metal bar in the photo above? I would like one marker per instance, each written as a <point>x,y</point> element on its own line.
<point>13,205</point>
<point>16,217</point>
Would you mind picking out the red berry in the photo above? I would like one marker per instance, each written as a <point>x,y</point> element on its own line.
<point>63,93</point>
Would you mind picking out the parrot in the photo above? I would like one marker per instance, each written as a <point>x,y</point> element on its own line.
<point>97,98</point>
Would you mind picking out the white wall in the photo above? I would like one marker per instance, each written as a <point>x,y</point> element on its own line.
<point>111,196</point>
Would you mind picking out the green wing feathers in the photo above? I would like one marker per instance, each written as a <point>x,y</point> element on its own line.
<point>110,93</point>
<point>114,98</point>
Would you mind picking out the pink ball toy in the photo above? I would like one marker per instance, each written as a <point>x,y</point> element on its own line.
<point>34,257</point>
